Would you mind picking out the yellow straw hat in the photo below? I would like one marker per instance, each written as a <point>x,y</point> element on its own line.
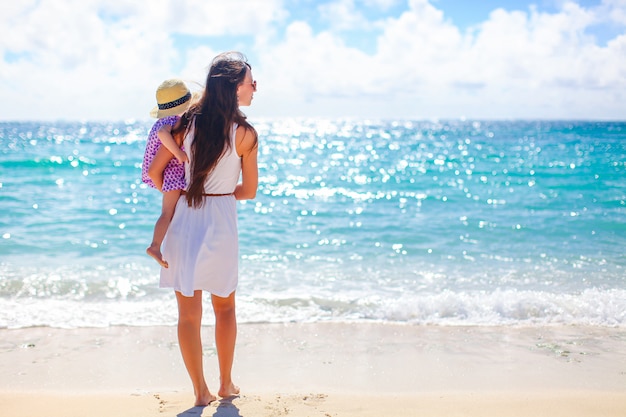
<point>173,97</point>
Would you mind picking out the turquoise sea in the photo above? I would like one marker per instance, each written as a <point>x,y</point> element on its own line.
<point>419,222</point>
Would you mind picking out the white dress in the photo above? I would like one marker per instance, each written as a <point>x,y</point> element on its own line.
<point>201,245</point>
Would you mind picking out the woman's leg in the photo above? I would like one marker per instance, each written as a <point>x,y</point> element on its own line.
<point>170,199</point>
<point>190,341</point>
<point>225,336</point>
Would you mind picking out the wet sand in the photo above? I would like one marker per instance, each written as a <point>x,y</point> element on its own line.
<point>323,369</point>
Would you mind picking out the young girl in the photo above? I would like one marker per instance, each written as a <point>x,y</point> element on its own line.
<point>165,171</point>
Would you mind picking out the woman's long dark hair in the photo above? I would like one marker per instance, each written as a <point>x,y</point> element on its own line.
<point>214,115</point>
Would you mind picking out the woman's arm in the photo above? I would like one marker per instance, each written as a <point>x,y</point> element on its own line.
<point>247,148</point>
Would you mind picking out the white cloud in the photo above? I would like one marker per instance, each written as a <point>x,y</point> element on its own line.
<point>197,65</point>
<point>615,9</point>
<point>98,59</point>
<point>343,15</point>
<point>419,46</point>
<point>515,64</point>
<point>382,4</point>
<point>214,18</point>
<point>106,58</point>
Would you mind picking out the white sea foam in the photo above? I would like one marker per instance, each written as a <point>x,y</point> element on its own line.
<point>527,308</point>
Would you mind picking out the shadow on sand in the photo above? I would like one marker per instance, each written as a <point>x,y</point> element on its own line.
<point>226,408</point>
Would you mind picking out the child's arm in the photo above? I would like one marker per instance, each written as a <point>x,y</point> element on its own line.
<point>167,140</point>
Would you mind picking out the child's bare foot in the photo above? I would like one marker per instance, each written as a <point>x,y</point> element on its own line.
<point>155,252</point>
<point>228,390</point>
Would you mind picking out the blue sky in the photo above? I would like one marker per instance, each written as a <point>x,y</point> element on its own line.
<point>418,59</point>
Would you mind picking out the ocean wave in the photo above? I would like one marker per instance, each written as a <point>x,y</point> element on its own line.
<point>593,307</point>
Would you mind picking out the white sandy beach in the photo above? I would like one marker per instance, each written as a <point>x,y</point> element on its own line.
<point>320,370</point>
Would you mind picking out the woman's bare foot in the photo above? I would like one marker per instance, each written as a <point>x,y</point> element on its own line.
<point>204,399</point>
<point>155,252</point>
<point>228,390</point>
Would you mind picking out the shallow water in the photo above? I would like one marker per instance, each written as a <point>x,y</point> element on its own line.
<point>456,222</point>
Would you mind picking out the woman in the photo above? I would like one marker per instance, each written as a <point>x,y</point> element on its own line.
<point>201,244</point>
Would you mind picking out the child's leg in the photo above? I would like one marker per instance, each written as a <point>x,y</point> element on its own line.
<point>158,165</point>
<point>170,198</point>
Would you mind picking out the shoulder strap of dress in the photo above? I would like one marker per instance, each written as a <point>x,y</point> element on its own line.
<point>234,138</point>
